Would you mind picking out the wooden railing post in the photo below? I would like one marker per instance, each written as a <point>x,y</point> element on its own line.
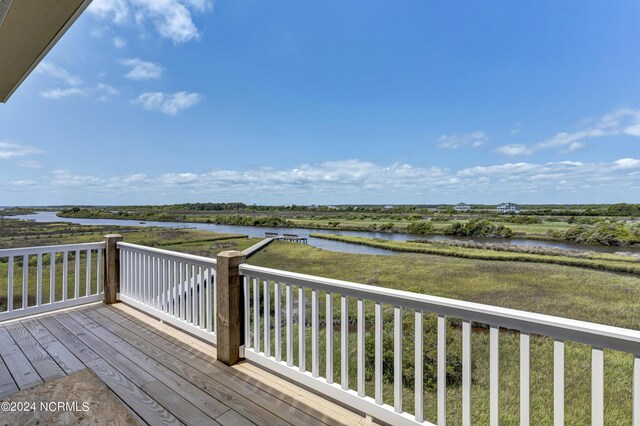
<point>229,302</point>
<point>111,268</point>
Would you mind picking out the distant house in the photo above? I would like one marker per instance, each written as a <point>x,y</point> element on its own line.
<point>388,207</point>
<point>462,207</point>
<point>508,208</point>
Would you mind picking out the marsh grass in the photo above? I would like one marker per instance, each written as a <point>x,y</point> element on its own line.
<point>600,262</point>
<point>547,251</point>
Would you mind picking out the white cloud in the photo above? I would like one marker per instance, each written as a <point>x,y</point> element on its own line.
<point>66,178</point>
<point>172,19</point>
<point>167,103</point>
<point>633,130</point>
<point>109,90</point>
<point>627,163</point>
<point>139,177</point>
<point>100,31</point>
<point>23,183</point>
<point>100,92</point>
<point>619,122</point>
<point>509,168</point>
<point>56,72</point>
<point>574,146</point>
<point>30,164</point>
<point>103,92</point>
<point>119,42</point>
<point>63,93</point>
<point>178,178</point>
<point>514,149</point>
<point>362,181</point>
<point>455,141</point>
<point>11,150</point>
<point>74,85</point>
<point>142,70</point>
<point>116,11</point>
<point>201,5</point>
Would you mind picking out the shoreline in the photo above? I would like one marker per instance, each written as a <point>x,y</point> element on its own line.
<point>630,266</point>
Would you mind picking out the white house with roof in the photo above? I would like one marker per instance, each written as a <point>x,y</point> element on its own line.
<point>462,207</point>
<point>508,208</point>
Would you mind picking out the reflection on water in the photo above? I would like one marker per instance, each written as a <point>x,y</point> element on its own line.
<point>255,231</point>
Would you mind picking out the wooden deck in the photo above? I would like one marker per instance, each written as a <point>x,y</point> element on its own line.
<point>163,375</point>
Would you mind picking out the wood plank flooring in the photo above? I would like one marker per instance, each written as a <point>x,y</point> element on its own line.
<point>164,376</point>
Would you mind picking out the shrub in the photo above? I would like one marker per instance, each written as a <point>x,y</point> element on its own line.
<point>386,226</point>
<point>420,227</point>
<point>604,233</point>
<point>478,228</point>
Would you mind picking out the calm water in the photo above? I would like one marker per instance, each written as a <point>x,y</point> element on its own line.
<point>255,231</point>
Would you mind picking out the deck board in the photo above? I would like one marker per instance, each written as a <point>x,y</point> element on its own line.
<point>140,402</point>
<point>17,363</point>
<point>46,367</point>
<point>281,391</point>
<point>209,376</point>
<point>7,384</point>
<point>68,339</point>
<point>163,375</point>
<point>266,397</point>
<point>67,361</point>
<point>197,399</point>
<point>176,404</point>
<point>107,352</point>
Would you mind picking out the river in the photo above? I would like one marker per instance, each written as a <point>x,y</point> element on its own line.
<point>256,231</point>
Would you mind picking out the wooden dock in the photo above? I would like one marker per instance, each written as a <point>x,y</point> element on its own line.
<point>287,237</point>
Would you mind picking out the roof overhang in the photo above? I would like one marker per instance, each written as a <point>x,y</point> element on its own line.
<point>28,30</point>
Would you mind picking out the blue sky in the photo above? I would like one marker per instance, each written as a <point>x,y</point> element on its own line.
<point>279,102</point>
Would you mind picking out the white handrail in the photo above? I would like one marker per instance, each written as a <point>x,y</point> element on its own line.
<point>50,249</point>
<point>175,255</point>
<point>610,337</point>
<point>87,285</point>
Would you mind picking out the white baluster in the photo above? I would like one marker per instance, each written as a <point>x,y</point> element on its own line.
<point>397,359</point>
<point>344,342</point>
<point>379,341</point>
<point>418,368</point>
<point>442,370</point>
<point>524,379</point>
<point>302,330</point>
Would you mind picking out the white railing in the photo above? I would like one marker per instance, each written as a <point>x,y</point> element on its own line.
<point>53,277</point>
<point>264,337</point>
<point>173,286</point>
